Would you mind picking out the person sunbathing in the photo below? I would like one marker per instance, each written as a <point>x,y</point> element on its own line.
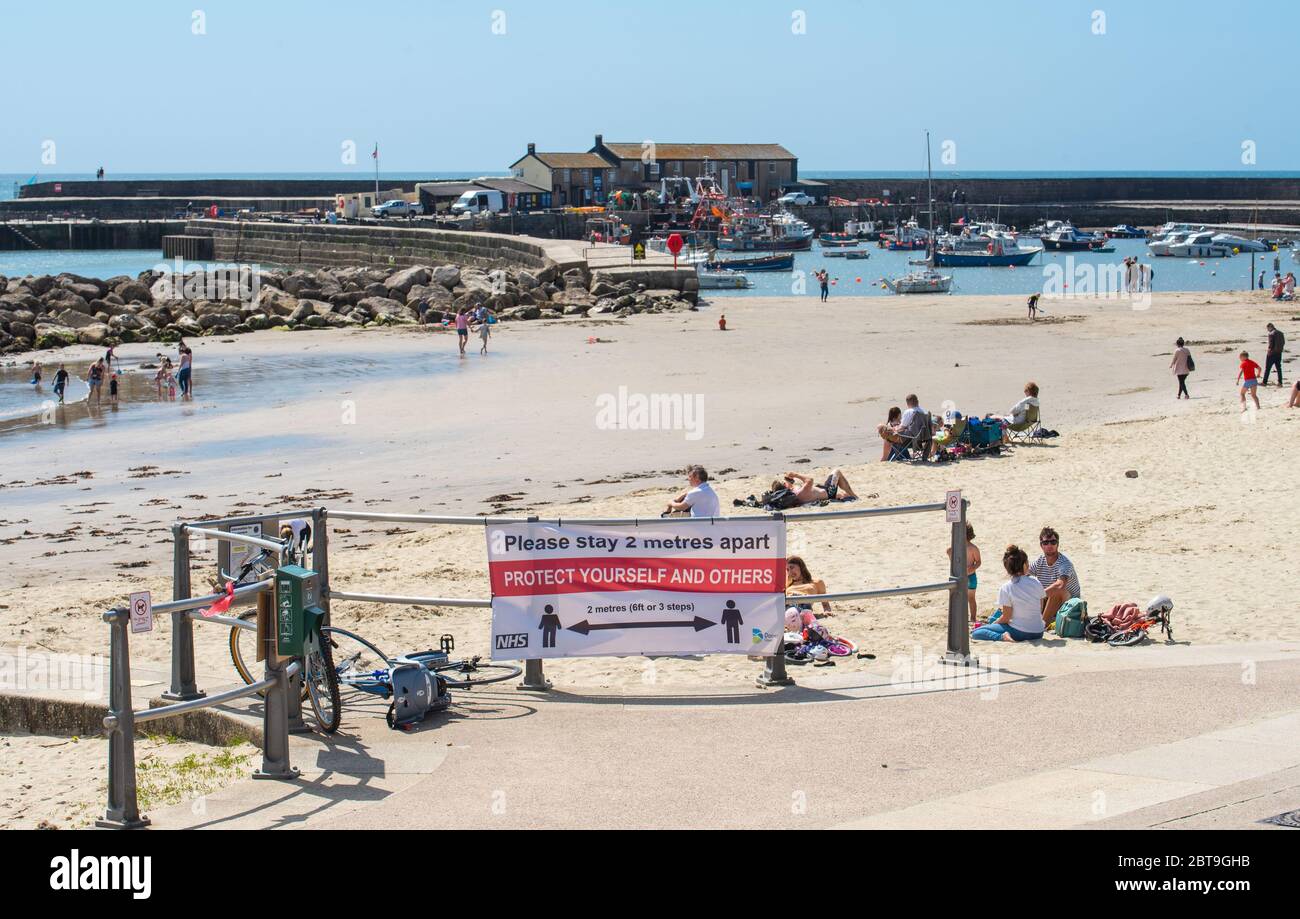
<point>807,491</point>
<point>799,581</point>
<point>891,436</point>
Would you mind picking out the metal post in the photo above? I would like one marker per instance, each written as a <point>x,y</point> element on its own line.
<point>183,685</point>
<point>122,812</point>
<point>774,667</point>
<point>534,679</point>
<point>320,556</point>
<point>275,714</point>
<point>958,628</point>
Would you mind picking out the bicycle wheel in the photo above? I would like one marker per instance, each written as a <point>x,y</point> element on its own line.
<point>322,685</point>
<point>466,674</point>
<point>243,652</point>
<point>358,663</point>
<point>243,648</point>
<point>1127,639</point>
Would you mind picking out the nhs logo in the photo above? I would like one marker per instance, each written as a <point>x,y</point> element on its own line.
<point>513,642</point>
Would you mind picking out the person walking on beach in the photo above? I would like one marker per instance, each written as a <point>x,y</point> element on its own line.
<point>1181,366</point>
<point>95,380</point>
<point>112,387</point>
<point>1033,306</point>
<point>1246,378</point>
<point>462,329</point>
<point>484,330</point>
<point>1276,342</point>
<point>60,382</point>
<point>185,377</point>
<point>36,375</point>
<point>825,280</point>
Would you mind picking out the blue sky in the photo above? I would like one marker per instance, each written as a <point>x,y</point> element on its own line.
<point>280,85</point>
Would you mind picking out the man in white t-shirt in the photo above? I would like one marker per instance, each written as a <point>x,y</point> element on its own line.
<point>700,499</point>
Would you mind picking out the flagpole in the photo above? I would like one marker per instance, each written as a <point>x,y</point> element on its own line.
<point>377,173</point>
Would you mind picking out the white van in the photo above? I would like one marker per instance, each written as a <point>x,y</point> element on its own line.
<point>479,201</point>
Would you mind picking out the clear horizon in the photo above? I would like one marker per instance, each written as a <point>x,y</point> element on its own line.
<point>1023,87</point>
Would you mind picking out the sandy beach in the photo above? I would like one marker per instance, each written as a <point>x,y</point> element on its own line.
<point>86,505</point>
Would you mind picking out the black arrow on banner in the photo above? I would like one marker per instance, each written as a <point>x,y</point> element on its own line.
<point>583,627</point>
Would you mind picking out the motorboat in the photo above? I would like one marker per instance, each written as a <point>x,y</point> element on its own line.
<point>1125,231</point>
<point>721,278</point>
<point>755,232</point>
<point>1200,245</point>
<point>909,237</point>
<point>1067,238</point>
<point>1241,243</point>
<point>1160,245</point>
<point>862,229</point>
<point>857,254</point>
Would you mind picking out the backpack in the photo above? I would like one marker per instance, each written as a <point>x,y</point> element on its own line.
<point>781,499</point>
<point>1070,619</point>
<point>416,693</point>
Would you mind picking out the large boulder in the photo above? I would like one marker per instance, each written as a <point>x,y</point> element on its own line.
<point>446,275</point>
<point>96,334</point>
<point>54,336</point>
<point>133,292</point>
<point>74,320</point>
<point>401,282</point>
<point>386,308</point>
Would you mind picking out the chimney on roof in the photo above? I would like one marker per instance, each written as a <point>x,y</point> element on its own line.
<point>532,148</point>
<point>600,140</point>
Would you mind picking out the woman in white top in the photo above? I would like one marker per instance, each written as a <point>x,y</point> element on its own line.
<point>1021,600</point>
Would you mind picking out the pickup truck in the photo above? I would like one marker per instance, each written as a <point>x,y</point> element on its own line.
<point>399,208</point>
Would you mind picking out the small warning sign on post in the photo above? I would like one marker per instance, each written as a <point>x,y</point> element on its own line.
<point>141,612</point>
<point>952,506</point>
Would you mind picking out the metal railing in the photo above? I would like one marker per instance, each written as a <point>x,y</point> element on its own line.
<point>282,679</point>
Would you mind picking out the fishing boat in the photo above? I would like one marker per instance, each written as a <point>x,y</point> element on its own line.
<point>836,253</point>
<point>927,280</point>
<point>721,278</point>
<point>863,229</point>
<point>989,249</point>
<point>1068,239</point>
<point>755,263</point>
<point>750,232</point>
<point>909,237</point>
<point>837,239</point>
<point>853,254</point>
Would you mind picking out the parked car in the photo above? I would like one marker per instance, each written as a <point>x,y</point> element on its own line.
<point>797,198</point>
<point>399,208</point>
<point>478,201</point>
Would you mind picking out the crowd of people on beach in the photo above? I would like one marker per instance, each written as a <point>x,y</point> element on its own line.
<point>106,370</point>
<point>1283,287</point>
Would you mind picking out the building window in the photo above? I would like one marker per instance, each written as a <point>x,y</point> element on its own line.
<point>654,170</point>
<point>677,168</point>
<point>568,176</point>
<point>771,167</point>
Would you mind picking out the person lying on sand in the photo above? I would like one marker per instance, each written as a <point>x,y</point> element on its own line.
<point>807,491</point>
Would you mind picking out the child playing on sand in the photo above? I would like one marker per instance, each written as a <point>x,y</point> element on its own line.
<point>973,562</point>
<point>36,374</point>
<point>484,332</point>
<point>1033,306</point>
<point>722,323</point>
<point>1248,379</point>
<point>112,387</point>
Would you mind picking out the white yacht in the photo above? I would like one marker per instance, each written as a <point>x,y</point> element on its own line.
<point>1240,243</point>
<point>1201,244</point>
<point>1161,243</point>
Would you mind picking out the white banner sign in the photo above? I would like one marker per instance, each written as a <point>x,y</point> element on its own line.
<point>586,591</point>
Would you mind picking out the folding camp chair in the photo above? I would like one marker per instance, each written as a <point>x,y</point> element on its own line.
<point>920,444</point>
<point>952,436</point>
<point>1028,430</point>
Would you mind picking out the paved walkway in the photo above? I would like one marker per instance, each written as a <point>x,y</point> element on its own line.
<point>1153,736</point>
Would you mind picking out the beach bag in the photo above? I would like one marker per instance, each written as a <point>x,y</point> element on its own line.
<point>1070,618</point>
<point>1191,363</point>
<point>416,693</point>
<point>781,499</point>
